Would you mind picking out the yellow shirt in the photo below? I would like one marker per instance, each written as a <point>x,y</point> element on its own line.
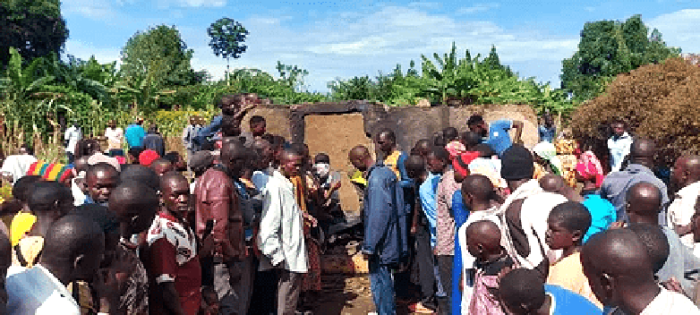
<point>30,247</point>
<point>568,274</point>
<point>392,161</point>
<point>20,226</point>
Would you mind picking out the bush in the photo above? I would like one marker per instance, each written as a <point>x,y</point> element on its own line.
<point>657,102</point>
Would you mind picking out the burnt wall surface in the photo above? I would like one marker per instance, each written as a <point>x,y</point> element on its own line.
<point>335,128</point>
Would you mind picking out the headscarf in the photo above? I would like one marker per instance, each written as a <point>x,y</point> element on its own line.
<point>461,162</point>
<point>548,152</point>
<point>589,167</point>
<point>455,148</point>
<point>147,157</point>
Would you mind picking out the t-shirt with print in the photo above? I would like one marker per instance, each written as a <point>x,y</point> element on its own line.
<point>499,139</point>
<point>172,257</point>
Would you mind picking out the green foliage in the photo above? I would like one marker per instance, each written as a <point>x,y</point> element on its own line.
<point>34,25</point>
<point>608,48</point>
<point>158,57</point>
<point>227,38</point>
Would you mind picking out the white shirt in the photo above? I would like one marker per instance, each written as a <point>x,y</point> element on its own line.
<point>619,148</point>
<point>73,135</point>
<point>668,302</point>
<point>681,210</point>
<point>468,260</point>
<point>17,165</point>
<point>260,178</point>
<point>78,195</point>
<point>37,291</point>
<point>114,138</point>
<point>281,235</point>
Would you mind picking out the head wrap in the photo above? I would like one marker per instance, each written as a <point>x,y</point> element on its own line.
<point>50,171</point>
<point>147,157</point>
<point>589,167</point>
<point>455,148</point>
<point>461,162</point>
<point>548,152</point>
<point>517,163</point>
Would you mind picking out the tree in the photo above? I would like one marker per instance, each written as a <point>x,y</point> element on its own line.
<point>227,37</point>
<point>159,54</point>
<point>34,27</point>
<point>608,48</point>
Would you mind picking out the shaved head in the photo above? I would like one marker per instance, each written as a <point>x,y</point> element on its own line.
<point>552,183</point>
<point>75,243</point>
<point>477,186</point>
<point>643,203</point>
<point>486,233</point>
<point>686,171</point>
<point>642,152</point>
<point>135,205</point>
<point>141,174</point>
<point>360,158</point>
<point>415,166</point>
<point>521,291</point>
<point>655,241</point>
<point>617,266</point>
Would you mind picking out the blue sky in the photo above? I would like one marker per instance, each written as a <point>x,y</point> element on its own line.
<point>345,38</point>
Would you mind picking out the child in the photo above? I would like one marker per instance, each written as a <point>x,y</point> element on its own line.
<point>484,243</point>
<point>567,224</point>
<point>522,291</point>
<point>210,301</point>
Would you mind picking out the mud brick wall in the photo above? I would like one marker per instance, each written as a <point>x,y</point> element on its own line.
<point>334,128</point>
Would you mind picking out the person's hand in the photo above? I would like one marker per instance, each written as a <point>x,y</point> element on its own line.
<point>208,246</point>
<point>673,285</point>
<point>106,288</point>
<point>616,225</point>
<point>414,230</point>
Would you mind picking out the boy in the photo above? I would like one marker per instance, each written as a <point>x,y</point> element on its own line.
<point>567,224</point>
<point>522,292</point>
<point>484,243</point>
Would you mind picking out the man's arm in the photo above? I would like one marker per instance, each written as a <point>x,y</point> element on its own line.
<point>271,225</point>
<point>171,299</point>
<point>220,200</point>
<point>404,181</point>
<point>518,125</point>
<point>208,131</point>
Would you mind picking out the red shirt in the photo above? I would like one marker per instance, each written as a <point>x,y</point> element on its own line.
<point>172,257</point>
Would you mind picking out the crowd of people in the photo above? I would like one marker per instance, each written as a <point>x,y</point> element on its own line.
<point>475,223</point>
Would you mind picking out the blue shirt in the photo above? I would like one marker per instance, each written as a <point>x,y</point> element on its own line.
<point>461,214</point>
<point>428,201</point>
<point>547,134</point>
<point>616,184</point>
<point>566,302</point>
<point>499,139</point>
<point>602,214</point>
<point>209,131</point>
<point>134,135</point>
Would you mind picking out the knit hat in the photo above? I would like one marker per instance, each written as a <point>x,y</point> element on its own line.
<point>147,157</point>
<point>517,163</point>
<point>201,160</point>
<point>50,171</point>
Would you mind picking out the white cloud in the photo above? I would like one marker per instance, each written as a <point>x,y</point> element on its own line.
<point>679,29</point>
<point>479,7</point>
<point>94,9</point>
<point>163,4</point>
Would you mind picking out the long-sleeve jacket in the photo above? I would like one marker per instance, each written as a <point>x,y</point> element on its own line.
<point>216,199</point>
<point>281,234</point>
<point>386,217</point>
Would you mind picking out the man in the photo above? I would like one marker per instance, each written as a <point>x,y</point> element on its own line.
<point>101,178</point>
<point>258,127</point>
<point>496,134</point>
<point>154,141</point>
<point>135,205</point>
<point>264,169</point>
<point>525,212</point>
<point>361,159</point>
<point>217,201</point>
<point>385,142</point>
<point>135,133</point>
<point>619,145</point>
<point>171,257</point>
<point>385,244</point>
<point>73,251</point>
<point>188,135</point>
<point>643,203</point>
<point>48,201</point>
<point>686,176</point>
<point>281,235</point>
<point>547,131</point>
<point>16,166</point>
<point>232,105</point>
<point>621,276</point>
<point>114,137</point>
<point>615,185</point>
<point>70,140</point>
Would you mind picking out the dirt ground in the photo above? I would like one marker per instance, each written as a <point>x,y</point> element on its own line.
<point>347,295</point>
